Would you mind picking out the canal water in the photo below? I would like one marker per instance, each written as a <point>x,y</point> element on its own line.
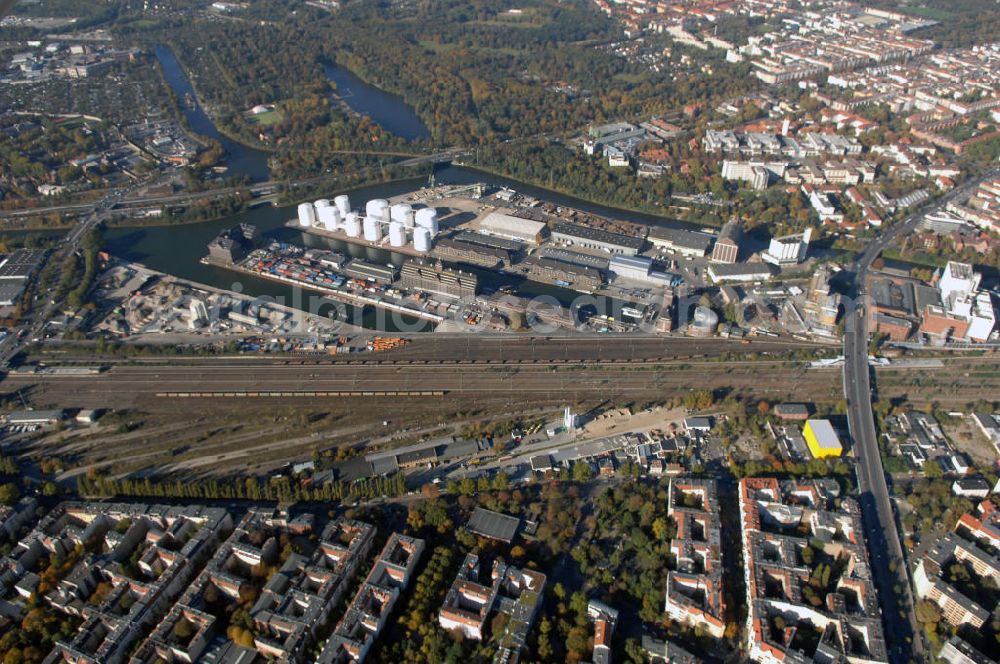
<point>240,159</point>
<point>178,249</point>
<point>390,111</point>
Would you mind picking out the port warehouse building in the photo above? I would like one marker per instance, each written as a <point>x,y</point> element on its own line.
<point>693,244</point>
<point>554,269</point>
<point>596,238</point>
<point>437,279</point>
<point>360,269</point>
<point>514,228</point>
<point>459,250</point>
<point>512,246</point>
<point>639,268</point>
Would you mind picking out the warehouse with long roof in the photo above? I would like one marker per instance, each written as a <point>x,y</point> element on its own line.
<point>511,227</point>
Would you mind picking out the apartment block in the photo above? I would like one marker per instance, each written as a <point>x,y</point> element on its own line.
<point>172,543</point>
<point>297,600</point>
<point>957,607</point>
<point>374,601</point>
<point>520,599</point>
<point>476,594</point>
<point>694,590</point>
<point>471,597</point>
<point>604,618</point>
<point>809,588</point>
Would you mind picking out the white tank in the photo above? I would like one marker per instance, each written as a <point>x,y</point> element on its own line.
<point>307,215</point>
<point>373,229</point>
<point>704,323</point>
<point>343,204</point>
<point>428,218</point>
<point>422,240</point>
<point>399,211</point>
<point>352,226</point>
<point>397,234</point>
<point>377,208</point>
<point>321,203</point>
<point>329,217</point>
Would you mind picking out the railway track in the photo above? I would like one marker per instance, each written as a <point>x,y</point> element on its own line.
<point>564,380</point>
<point>766,357</point>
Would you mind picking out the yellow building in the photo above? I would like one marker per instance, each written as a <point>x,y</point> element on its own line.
<point>822,440</point>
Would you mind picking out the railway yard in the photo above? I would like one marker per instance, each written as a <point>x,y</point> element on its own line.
<point>431,387</point>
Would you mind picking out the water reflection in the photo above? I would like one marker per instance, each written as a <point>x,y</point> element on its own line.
<point>390,111</point>
<point>240,159</point>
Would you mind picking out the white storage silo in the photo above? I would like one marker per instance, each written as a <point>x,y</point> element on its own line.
<point>352,225</point>
<point>399,211</point>
<point>343,204</point>
<point>422,239</point>
<point>377,208</point>
<point>704,323</point>
<point>329,217</point>
<point>321,203</point>
<point>307,215</point>
<point>373,229</point>
<point>397,234</point>
<point>428,218</point>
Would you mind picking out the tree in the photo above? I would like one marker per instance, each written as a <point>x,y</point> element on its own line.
<point>660,528</point>
<point>698,399</point>
<point>9,493</point>
<point>876,342</point>
<point>183,630</point>
<point>928,614</point>
<point>634,651</point>
<point>211,594</point>
<point>501,482</point>
<point>545,651</point>
<point>242,637</point>
<point>498,624</point>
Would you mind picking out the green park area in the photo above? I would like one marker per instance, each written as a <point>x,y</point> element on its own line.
<point>265,119</point>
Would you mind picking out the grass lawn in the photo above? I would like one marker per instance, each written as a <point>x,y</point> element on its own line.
<point>265,119</point>
<point>927,12</point>
<point>528,18</point>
